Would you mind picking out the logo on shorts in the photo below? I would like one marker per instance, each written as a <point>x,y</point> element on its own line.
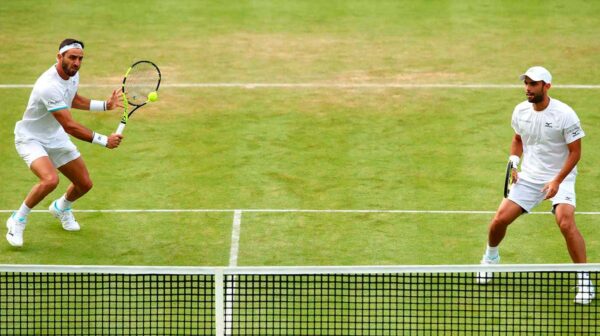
<point>568,198</point>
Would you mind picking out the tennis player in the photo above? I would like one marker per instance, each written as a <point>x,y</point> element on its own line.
<point>42,139</point>
<point>548,136</point>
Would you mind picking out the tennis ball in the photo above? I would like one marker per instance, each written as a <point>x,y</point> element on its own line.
<point>153,96</point>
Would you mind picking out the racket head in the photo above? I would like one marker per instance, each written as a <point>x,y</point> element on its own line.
<point>141,78</point>
<point>508,180</point>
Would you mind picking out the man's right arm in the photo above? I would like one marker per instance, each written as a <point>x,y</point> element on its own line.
<point>516,151</point>
<point>80,132</point>
<point>516,147</point>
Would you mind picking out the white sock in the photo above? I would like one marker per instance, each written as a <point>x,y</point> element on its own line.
<point>491,252</point>
<point>63,204</point>
<point>23,211</point>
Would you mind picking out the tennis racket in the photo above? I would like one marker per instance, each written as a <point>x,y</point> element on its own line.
<point>141,79</point>
<point>508,180</point>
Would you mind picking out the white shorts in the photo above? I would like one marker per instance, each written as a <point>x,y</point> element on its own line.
<point>528,194</point>
<point>60,154</point>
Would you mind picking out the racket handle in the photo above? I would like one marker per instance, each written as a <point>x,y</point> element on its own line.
<point>120,128</point>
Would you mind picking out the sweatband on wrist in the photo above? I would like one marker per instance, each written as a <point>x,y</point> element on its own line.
<point>97,105</point>
<point>515,160</point>
<point>99,139</point>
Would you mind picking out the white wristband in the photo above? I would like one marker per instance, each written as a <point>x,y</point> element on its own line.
<point>97,105</point>
<point>99,139</point>
<point>515,160</point>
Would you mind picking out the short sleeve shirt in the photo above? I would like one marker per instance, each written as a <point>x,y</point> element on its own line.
<point>50,93</point>
<point>545,135</point>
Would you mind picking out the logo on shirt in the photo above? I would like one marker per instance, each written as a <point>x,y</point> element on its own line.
<point>575,133</point>
<point>548,124</point>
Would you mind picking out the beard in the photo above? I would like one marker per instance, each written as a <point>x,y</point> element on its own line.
<point>69,71</point>
<point>537,98</point>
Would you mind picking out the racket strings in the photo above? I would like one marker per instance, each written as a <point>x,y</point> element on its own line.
<point>142,79</point>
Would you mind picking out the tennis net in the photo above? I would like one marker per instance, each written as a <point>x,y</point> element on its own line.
<point>375,300</point>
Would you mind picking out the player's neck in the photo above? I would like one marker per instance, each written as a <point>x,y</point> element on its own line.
<point>61,73</point>
<point>538,107</point>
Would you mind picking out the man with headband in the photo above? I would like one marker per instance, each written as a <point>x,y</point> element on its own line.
<point>42,139</point>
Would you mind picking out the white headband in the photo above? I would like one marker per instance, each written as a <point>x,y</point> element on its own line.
<point>69,47</point>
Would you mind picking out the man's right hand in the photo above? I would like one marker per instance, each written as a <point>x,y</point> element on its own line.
<point>114,140</point>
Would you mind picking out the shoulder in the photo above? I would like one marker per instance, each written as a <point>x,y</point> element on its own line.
<point>561,107</point>
<point>522,107</point>
<point>47,79</point>
<point>48,89</point>
<point>564,113</point>
<point>48,83</point>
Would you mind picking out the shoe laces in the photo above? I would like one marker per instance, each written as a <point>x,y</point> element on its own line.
<point>21,221</point>
<point>66,215</point>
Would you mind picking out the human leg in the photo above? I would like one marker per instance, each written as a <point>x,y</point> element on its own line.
<point>48,180</point>
<point>564,211</point>
<point>565,219</point>
<point>507,212</point>
<point>76,171</point>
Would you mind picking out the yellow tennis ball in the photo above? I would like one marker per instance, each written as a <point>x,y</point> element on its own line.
<point>153,96</point>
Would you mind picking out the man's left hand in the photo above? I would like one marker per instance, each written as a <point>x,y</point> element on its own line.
<point>551,188</point>
<point>115,100</point>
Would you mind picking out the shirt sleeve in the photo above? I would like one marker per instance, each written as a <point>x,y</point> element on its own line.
<point>514,121</point>
<point>53,99</point>
<point>572,130</point>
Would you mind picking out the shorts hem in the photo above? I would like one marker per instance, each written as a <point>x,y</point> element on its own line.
<point>525,210</point>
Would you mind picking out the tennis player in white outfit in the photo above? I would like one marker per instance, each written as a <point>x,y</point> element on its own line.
<point>42,139</point>
<point>548,137</point>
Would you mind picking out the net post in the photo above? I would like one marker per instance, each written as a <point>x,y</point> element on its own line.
<point>219,303</point>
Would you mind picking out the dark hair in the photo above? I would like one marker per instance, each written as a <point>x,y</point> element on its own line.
<point>69,41</point>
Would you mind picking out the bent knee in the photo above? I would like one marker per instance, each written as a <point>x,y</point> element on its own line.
<point>85,185</point>
<point>49,182</point>
<point>567,225</point>
<point>499,220</point>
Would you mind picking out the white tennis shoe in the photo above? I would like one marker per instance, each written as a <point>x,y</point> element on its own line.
<point>585,293</point>
<point>483,278</point>
<point>65,216</point>
<point>15,227</point>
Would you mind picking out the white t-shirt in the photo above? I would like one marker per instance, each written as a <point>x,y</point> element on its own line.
<point>545,135</point>
<point>50,93</point>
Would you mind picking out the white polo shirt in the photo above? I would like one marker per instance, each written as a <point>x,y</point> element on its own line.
<point>50,93</point>
<point>545,135</point>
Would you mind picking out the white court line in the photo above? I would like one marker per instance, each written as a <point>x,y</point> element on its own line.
<point>235,238</point>
<point>331,86</point>
<point>442,212</point>
<point>233,261</point>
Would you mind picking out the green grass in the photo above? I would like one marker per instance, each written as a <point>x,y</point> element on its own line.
<point>235,148</point>
<point>301,148</point>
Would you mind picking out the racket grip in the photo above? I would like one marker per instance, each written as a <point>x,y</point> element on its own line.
<point>120,128</point>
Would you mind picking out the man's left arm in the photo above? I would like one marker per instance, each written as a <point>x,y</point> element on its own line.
<point>551,188</point>
<point>84,103</point>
